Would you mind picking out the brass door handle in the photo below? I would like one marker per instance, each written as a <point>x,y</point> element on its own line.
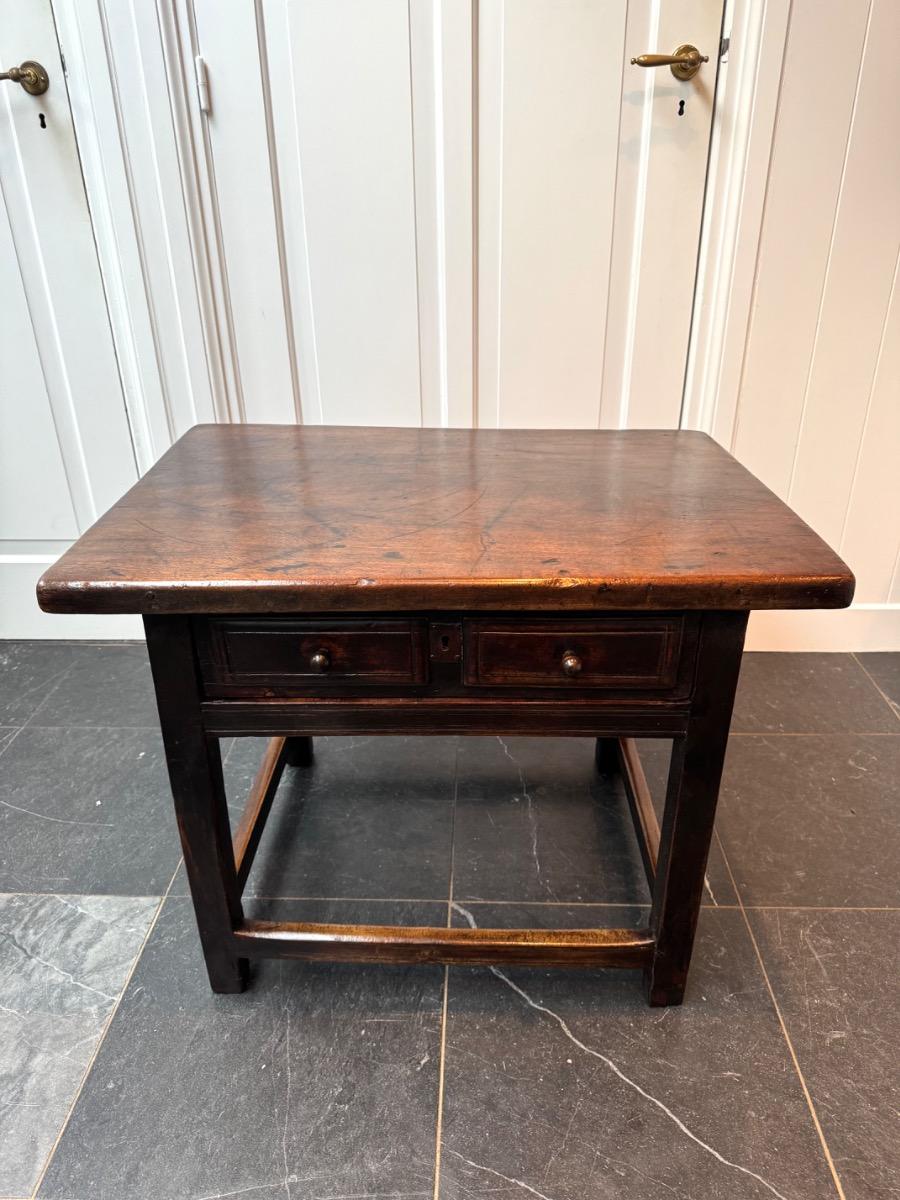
<point>685,62</point>
<point>32,76</point>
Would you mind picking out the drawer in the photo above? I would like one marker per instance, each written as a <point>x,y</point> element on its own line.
<point>626,653</point>
<point>285,653</point>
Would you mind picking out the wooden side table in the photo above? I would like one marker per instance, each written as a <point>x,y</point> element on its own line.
<point>300,582</point>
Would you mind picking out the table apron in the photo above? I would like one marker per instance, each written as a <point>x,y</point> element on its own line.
<point>532,718</point>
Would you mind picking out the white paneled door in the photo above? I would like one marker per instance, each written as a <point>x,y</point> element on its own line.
<point>451,212</point>
<point>65,448</point>
<point>386,212</point>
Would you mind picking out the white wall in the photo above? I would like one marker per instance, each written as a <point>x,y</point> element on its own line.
<point>795,364</point>
<point>807,390</point>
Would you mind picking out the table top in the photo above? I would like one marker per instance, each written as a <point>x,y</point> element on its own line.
<point>269,518</point>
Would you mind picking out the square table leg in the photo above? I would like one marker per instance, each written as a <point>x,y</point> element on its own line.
<point>691,796</point>
<point>195,774</point>
<point>298,751</point>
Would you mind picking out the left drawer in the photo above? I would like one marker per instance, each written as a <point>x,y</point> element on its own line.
<point>312,655</point>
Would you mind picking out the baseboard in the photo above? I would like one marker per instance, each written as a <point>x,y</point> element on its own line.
<point>861,627</point>
<point>20,616</point>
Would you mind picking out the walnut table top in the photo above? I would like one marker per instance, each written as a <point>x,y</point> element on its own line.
<point>263,518</point>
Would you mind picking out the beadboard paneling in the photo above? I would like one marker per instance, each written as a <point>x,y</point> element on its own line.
<point>818,413</point>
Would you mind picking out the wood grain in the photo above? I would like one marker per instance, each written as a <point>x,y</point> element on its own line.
<point>263,519</point>
<point>257,808</point>
<point>637,791</point>
<point>437,944</point>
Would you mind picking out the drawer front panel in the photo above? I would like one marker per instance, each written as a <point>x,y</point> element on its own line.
<point>316,653</point>
<point>639,653</point>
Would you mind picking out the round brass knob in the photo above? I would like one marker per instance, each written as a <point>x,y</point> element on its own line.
<point>320,661</point>
<point>571,663</point>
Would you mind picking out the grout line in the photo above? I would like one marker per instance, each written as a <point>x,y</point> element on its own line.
<point>104,1031</point>
<point>102,643</point>
<point>153,728</point>
<point>832,908</point>
<point>817,907</point>
<point>825,733</point>
<point>784,1030</point>
<point>439,1122</point>
<point>101,895</point>
<point>895,709</point>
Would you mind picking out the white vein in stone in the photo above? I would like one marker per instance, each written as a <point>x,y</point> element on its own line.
<point>526,796</point>
<point>676,1120</point>
<point>372,1196</point>
<point>53,967</point>
<point>255,1187</point>
<point>500,1175</point>
<point>57,820</point>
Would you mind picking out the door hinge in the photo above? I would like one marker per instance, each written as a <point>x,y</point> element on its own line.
<point>202,84</point>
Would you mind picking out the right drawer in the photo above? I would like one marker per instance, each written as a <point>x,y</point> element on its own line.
<point>625,653</point>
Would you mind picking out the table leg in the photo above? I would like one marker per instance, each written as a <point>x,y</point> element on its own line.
<point>690,809</point>
<point>195,775</point>
<point>606,755</point>
<point>298,751</point>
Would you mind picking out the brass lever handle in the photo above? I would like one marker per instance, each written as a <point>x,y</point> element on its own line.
<point>685,62</point>
<point>32,76</point>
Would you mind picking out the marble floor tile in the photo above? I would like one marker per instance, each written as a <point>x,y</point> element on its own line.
<point>884,670</point>
<point>63,963</point>
<point>28,671</point>
<point>813,820</point>
<point>372,817</point>
<point>563,1085</point>
<point>835,978</point>
<point>105,686</point>
<point>86,810</point>
<point>319,1081</point>
<point>536,822</point>
<point>322,1081</point>
<point>808,693</point>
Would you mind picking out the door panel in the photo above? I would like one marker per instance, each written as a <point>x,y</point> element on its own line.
<point>340,84</point>
<point>65,445</point>
<point>34,498</point>
<point>457,212</point>
<point>550,81</point>
<point>663,153</point>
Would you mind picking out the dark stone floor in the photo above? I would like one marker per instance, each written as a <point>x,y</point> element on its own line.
<point>122,1077</point>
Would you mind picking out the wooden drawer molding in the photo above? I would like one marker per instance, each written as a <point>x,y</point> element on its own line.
<point>277,652</point>
<point>627,654</point>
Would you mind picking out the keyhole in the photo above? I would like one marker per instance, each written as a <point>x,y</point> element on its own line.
<point>43,120</point>
<point>681,108</point>
<point>445,642</point>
